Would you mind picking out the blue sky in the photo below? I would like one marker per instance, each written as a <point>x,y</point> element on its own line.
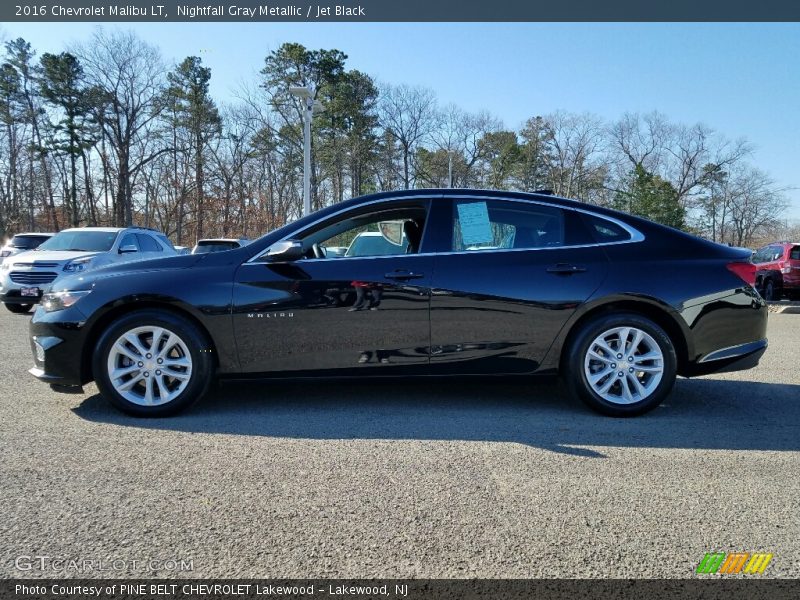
<point>742,79</point>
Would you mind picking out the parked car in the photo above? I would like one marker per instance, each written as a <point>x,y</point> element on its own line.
<point>218,245</point>
<point>778,270</point>
<point>22,242</point>
<point>183,249</point>
<point>615,303</point>
<point>25,277</point>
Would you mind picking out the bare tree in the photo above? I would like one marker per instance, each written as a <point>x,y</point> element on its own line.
<point>575,141</point>
<point>130,74</point>
<point>409,115</point>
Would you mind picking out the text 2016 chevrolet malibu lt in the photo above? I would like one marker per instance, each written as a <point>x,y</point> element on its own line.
<point>453,282</point>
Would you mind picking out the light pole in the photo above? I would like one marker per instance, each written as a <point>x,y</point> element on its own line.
<point>306,95</point>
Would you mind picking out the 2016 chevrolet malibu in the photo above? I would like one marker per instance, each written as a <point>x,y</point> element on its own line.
<point>479,282</point>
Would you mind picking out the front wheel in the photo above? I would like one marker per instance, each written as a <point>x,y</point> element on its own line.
<point>152,363</point>
<point>19,309</point>
<point>621,365</point>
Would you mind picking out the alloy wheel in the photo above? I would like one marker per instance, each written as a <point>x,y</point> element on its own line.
<point>149,366</point>
<point>624,365</point>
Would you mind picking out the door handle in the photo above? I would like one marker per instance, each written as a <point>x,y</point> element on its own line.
<point>565,269</point>
<point>403,275</point>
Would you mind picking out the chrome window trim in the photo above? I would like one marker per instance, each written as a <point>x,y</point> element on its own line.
<point>636,235</point>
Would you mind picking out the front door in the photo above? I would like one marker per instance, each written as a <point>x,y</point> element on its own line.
<point>357,303</point>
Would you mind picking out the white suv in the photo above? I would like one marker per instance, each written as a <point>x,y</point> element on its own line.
<point>26,276</point>
<point>22,242</point>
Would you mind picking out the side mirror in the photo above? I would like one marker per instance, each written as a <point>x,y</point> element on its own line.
<point>285,251</point>
<point>127,249</point>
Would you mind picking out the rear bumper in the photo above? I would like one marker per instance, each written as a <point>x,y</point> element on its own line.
<point>736,358</point>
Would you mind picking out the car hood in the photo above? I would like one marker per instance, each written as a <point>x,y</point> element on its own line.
<point>59,256</point>
<point>86,280</point>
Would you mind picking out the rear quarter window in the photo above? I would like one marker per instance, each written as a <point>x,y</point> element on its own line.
<point>606,232</point>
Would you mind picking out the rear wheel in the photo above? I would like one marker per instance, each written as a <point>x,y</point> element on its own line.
<point>770,291</point>
<point>152,364</point>
<point>19,309</point>
<point>621,365</point>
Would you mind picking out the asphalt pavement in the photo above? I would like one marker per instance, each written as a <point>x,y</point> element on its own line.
<point>403,479</point>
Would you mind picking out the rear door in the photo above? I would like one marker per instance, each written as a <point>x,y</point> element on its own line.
<point>512,275</point>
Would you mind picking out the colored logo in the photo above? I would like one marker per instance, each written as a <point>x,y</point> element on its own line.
<point>735,562</point>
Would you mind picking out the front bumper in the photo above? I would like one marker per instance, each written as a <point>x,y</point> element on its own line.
<point>14,296</point>
<point>57,344</point>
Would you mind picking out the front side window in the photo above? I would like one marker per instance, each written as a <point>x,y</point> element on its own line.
<point>129,240</point>
<point>385,233</point>
<point>497,224</point>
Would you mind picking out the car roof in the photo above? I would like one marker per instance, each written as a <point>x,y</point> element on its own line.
<point>102,229</point>
<point>230,240</point>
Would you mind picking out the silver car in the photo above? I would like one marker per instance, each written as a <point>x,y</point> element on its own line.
<point>26,276</point>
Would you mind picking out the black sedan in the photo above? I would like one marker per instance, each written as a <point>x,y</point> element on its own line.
<point>451,282</point>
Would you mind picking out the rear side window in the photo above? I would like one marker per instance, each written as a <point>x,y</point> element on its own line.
<point>794,253</point>
<point>148,244</point>
<point>500,225</point>
<point>606,232</point>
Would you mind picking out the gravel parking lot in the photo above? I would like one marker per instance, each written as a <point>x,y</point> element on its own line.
<point>430,479</point>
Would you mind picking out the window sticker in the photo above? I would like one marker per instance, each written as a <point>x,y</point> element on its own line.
<point>473,220</point>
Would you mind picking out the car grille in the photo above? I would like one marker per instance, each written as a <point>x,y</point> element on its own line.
<point>37,264</point>
<point>32,278</point>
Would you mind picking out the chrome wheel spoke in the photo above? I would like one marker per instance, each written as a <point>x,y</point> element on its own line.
<point>637,385</point>
<point>626,390</point>
<point>606,359</point>
<point>134,341</point>
<point>182,375</point>
<point>126,386</point>
<point>595,378</point>
<point>125,351</point>
<point>123,371</point>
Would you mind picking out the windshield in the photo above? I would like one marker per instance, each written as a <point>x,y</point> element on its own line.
<point>206,247</point>
<point>81,241</point>
<point>27,242</point>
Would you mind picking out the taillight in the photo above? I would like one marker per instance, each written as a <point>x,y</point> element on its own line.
<point>744,270</point>
<point>785,267</point>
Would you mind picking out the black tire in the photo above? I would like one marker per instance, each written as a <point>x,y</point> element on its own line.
<point>199,349</point>
<point>19,309</point>
<point>575,378</point>
<point>770,291</point>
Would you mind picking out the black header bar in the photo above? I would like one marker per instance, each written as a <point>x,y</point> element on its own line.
<point>399,10</point>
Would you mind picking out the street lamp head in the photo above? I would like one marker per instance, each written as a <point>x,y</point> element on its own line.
<point>300,91</point>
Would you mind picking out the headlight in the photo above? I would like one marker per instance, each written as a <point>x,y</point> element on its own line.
<point>54,301</point>
<point>78,265</point>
